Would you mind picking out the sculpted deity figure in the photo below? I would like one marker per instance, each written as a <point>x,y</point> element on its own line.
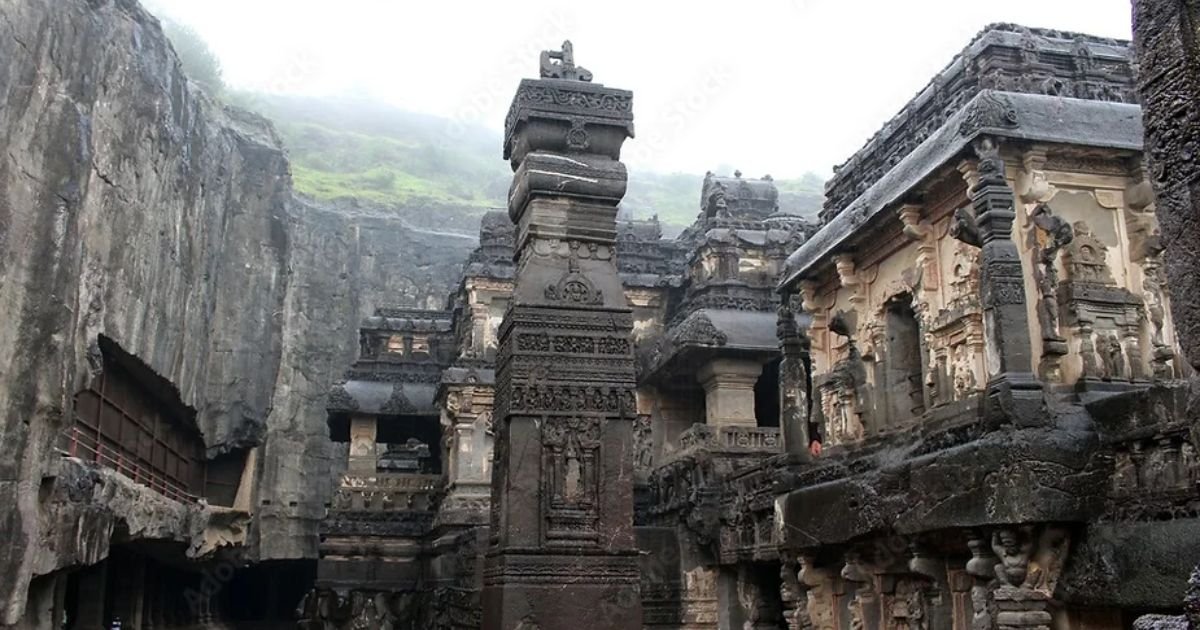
<point>964,375</point>
<point>1045,273</point>
<point>1013,550</point>
<point>1113,356</point>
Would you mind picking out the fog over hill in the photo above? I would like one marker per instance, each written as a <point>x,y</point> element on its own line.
<point>441,172</point>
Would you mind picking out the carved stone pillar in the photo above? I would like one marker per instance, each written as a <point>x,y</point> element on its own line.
<point>982,569</point>
<point>792,593</point>
<point>481,330</point>
<point>864,609</point>
<point>729,391</point>
<point>818,583</point>
<point>467,422</point>
<point>562,483</point>
<point>1012,390</point>
<point>793,382</point>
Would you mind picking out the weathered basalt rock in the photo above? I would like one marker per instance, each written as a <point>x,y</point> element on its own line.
<point>135,207</point>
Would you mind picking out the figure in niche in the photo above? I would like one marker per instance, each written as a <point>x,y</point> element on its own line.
<point>572,478</point>
<point>1045,274</point>
<point>964,375</point>
<point>560,64</point>
<point>1113,357</point>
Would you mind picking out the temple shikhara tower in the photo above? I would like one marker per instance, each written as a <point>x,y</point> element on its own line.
<point>562,542</point>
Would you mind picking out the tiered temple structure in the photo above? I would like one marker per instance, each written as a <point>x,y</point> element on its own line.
<point>958,402</point>
<point>963,399</point>
<point>993,367</point>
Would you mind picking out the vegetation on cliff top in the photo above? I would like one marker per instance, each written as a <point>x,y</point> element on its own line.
<point>355,150</point>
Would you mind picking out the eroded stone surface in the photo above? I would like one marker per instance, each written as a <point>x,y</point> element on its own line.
<point>137,208</point>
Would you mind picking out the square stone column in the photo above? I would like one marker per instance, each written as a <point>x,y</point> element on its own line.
<point>729,391</point>
<point>562,553</point>
<point>363,457</point>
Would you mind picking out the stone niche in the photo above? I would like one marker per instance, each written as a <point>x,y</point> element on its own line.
<point>1111,297</point>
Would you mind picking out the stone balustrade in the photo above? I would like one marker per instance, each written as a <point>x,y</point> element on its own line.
<point>730,439</point>
<point>386,492</point>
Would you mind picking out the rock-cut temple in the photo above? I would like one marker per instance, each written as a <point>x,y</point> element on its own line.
<point>957,399</point>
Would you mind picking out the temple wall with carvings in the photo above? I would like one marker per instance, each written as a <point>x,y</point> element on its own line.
<point>1097,305</point>
<point>1113,303</point>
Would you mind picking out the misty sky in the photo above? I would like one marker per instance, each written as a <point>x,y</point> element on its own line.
<point>779,87</point>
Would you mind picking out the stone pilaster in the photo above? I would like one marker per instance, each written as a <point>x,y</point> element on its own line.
<point>982,570</point>
<point>1013,392</point>
<point>363,454</point>
<point>793,382</point>
<point>563,550</point>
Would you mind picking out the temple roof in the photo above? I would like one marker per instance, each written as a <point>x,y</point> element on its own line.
<point>1046,119</point>
<point>409,320</point>
<point>708,331</point>
<point>382,398</point>
<point>1002,57</point>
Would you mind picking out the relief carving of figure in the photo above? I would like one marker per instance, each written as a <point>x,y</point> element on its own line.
<point>915,608</point>
<point>642,442</point>
<point>1086,257</point>
<point>964,374</point>
<point>1013,551</point>
<point>1112,356</point>
<point>965,275</point>
<point>964,227</point>
<point>1045,273</point>
<point>1152,293</point>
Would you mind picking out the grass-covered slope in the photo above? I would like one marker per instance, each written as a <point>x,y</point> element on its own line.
<point>354,150</point>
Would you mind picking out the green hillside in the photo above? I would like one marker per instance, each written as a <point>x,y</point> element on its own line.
<point>343,149</point>
<point>435,171</point>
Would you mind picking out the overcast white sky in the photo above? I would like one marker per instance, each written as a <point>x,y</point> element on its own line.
<point>779,87</point>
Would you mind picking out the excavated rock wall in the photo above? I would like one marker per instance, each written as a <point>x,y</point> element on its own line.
<point>135,207</point>
<point>1167,39</point>
<point>1166,36</point>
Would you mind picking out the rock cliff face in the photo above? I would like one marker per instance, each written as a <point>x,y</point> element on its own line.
<point>1167,38</point>
<point>133,206</point>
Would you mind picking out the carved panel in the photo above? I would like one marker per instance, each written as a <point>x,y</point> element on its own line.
<point>571,479</point>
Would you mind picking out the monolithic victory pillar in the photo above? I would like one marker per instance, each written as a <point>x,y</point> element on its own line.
<point>562,553</point>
